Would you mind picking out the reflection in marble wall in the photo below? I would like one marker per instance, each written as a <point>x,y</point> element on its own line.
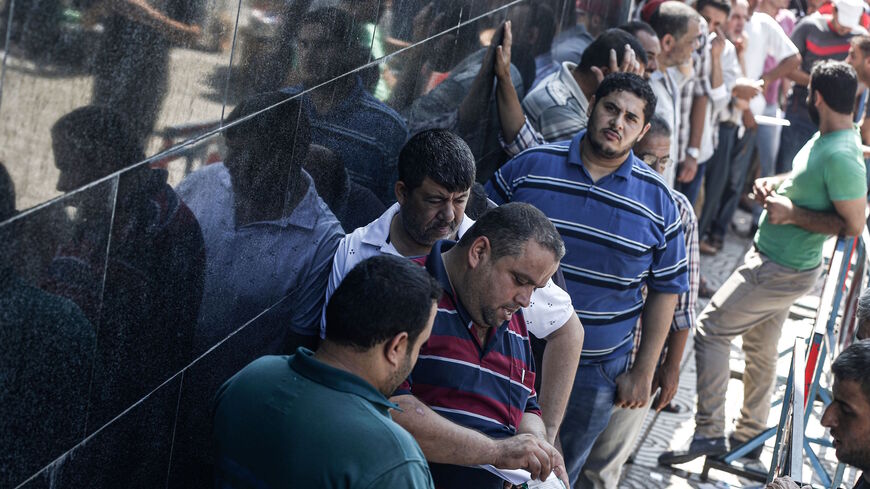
<point>182,171</point>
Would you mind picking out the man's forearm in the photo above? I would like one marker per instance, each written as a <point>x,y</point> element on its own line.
<point>558,368</point>
<point>533,424</point>
<point>442,440</point>
<point>786,68</point>
<point>676,346</point>
<point>716,76</point>
<point>510,111</point>
<point>657,315</point>
<point>800,77</point>
<point>819,222</point>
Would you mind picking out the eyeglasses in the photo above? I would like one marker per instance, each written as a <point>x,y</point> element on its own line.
<point>654,161</point>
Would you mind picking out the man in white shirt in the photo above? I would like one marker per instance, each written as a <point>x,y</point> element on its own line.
<point>678,27</point>
<point>436,171</point>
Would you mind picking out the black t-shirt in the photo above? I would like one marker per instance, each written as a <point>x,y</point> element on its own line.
<point>862,483</point>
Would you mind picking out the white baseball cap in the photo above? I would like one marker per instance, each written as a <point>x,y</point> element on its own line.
<point>849,12</point>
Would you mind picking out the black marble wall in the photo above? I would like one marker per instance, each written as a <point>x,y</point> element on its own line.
<point>107,365</point>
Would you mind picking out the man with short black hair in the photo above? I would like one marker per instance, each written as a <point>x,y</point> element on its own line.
<point>558,107</point>
<point>269,238</point>
<point>436,171</point>
<point>823,195</point>
<point>649,40</point>
<point>616,443</point>
<point>859,58</point>
<point>361,130</point>
<point>623,230</point>
<point>818,37</point>
<point>313,419</point>
<point>848,415</point>
<point>471,399</point>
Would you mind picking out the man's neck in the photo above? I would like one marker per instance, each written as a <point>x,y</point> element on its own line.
<point>402,241</point>
<point>349,361</point>
<point>587,83</point>
<point>597,166</point>
<point>767,8</point>
<point>270,209</point>
<point>838,122</point>
<point>327,98</point>
<point>452,264</point>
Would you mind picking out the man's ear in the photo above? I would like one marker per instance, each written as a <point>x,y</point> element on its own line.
<point>590,107</point>
<point>644,131</point>
<point>667,42</point>
<point>396,349</point>
<point>479,251</point>
<point>401,192</point>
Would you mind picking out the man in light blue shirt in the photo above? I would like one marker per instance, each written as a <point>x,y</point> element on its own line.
<point>269,238</point>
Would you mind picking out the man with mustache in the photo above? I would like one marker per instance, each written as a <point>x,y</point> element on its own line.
<point>436,172</point>
<point>622,230</point>
<point>823,195</point>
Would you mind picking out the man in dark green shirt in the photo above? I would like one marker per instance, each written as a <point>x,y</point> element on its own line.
<point>322,419</point>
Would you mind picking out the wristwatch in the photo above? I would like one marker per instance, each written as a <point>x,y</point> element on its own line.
<point>693,152</point>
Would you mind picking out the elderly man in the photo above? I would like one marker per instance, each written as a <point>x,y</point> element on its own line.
<point>471,398</point>
<point>311,419</point>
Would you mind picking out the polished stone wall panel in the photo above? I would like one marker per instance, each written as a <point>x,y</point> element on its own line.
<point>157,306</point>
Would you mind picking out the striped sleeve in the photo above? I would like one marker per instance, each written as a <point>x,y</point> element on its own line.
<point>669,270</point>
<point>499,189</point>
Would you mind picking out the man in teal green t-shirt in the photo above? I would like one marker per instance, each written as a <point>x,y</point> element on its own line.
<point>824,195</point>
<point>322,419</point>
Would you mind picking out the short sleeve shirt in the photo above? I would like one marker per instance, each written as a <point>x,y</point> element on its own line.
<point>294,421</point>
<point>486,387</point>
<point>549,309</point>
<point>765,37</point>
<point>828,168</point>
<point>620,232</point>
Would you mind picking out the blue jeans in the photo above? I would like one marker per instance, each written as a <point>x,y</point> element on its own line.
<point>589,410</point>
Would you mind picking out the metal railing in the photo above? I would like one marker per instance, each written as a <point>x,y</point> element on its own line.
<point>832,332</point>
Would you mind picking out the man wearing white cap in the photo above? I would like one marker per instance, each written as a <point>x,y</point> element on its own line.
<point>817,37</point>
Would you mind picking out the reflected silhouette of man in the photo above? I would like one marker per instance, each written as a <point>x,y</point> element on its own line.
<point>362,131</point>
<point>269,238</point>
<point>145,297</point>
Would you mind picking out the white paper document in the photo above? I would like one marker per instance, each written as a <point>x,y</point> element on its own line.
<point>520,476</point>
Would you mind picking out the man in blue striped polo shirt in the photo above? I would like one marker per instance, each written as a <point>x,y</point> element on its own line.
<point>622,230</point>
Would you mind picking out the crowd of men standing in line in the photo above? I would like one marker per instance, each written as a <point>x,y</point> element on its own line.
<point>606,210</point>
<point>415,337</point>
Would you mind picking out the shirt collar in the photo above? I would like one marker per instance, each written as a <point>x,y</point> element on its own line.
<point>624,170</point>
<point>309,367</point>
<point>377,232</point>
<point>304,215</point>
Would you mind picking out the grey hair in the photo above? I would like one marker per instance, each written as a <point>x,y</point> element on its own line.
<point>511,226</point>
<point>658,126</point>
<point>853,364</point>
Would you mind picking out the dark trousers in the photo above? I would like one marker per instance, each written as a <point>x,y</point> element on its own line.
<point>741,156</point>
<point>795,136</point>
<point>691,189</point>
<point>716,172</point>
